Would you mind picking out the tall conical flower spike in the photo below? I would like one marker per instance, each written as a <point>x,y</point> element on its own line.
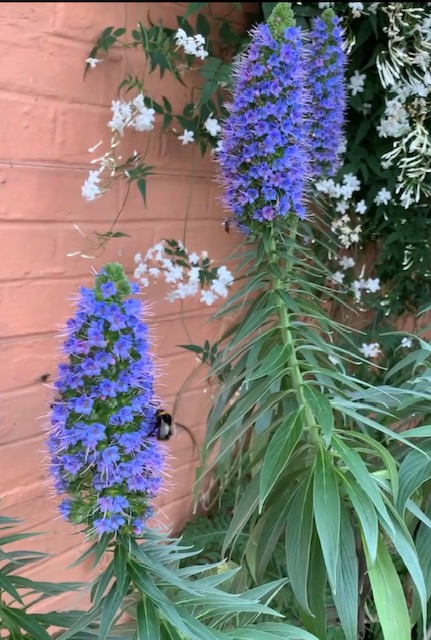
<point>263,157</point>
<point>103,455</point>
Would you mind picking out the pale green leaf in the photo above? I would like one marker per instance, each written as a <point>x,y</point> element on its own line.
<point>326,506</point>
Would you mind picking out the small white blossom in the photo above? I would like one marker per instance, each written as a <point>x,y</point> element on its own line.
<point>212,126</point>
<point>194,274</point>
<point>187,137</point>
<point>342,206</point>
<point>225,276</point>
<point>346,262</point>
<point>361,207</point>
<point>370,350</point>
<point>192,45</point>
<point>383,196</point>
<point>208,297</point>
<point>90,189</point>
<point>194,258</point>
<point>357,8</point>
<point>219,289</point>
<point>92,62</point>
<point>372,285</point>
<point>357,83</point>
<point>338,277</point>
<point>406,343</point>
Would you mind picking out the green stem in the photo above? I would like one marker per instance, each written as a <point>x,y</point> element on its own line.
<point>296,378</point>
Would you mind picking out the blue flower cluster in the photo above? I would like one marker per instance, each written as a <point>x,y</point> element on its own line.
<point>326,81</point>
<point>100,441</point>
<point>263,157</point>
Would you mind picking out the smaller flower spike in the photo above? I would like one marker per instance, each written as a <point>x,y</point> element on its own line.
<point>103,455</point>
<point>327,92</point>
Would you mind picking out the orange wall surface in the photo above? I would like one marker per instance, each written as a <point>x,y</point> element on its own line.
<point>50,117</point>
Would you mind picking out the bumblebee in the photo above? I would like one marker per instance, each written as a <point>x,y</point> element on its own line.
<point>164,427</point>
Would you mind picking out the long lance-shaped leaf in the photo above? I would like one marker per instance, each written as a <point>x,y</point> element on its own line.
<point>326,507</point>
<point>388,595</point>
<point>299,530</point>
<point>346,598</point>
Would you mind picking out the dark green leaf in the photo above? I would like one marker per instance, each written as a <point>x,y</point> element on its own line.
<point>147,621</point>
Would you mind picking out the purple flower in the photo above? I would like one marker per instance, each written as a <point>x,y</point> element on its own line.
<point>326,81</point>
<point>108,289</point>
<point>266,120</point>
<point>103,453</point>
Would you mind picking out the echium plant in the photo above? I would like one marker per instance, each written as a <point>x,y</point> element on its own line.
<point>105,458</point>
<point>319,458</point>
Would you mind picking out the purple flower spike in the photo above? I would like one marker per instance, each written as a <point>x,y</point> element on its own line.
<point>328,100</point>
<point>263,157</point>
<point>103,453</point>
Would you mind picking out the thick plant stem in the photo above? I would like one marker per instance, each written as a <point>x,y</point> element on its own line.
<point>296,378</point>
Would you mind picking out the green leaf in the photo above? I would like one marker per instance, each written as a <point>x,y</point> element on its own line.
<point>366,513</point>
<point>415,469</point>
<point>388,595</point>
<point>120,565</point>
<point>326,506</point>
<point>147,621</point>
<point>322,411</point>
<point>7,585</point>
<point>243,511</point>
<point>346,598</point>
<point>25,621</point>
<point>142,186</point>
<point>271,631</point>
<point>192,7</point>
<point>358,469</point>
<point>299,529</point>
<point>317,580</point>
<point>110,607</point>
<point>279,450</point>
<point>265,536</point>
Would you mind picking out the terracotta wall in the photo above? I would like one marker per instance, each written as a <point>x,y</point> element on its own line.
<point>50,117</point>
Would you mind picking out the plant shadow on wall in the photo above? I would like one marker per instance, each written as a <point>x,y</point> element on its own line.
<point>309,424</point>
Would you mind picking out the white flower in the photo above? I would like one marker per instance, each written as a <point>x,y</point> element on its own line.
<point>372,285</point>
<point>324,5</point>
<point>204,255</point>
<point>361,207</point>
<point>92,62</point>
<point>208,297</point>
<point>154,272</point>
<point>225,276</point>
<point>90,189</point>
<point>194,258</point>
<point>187,137</point>
<point>357,8</point>
<point>180,37</point>
<point>346,262</point>
<point>174,273</point>
<point>194,274</point>
<point>212,126</point>
<point>342,206</point>
<point>370,350</point>
<point>144,120</point>
<point>219,288</point>
<point>201,53</point>
<point>144,282</point>
<point>140,270</point>
<point>186,290</point>
<point>138,258</point>
<point>383,196</point>
<point>407,343</point>
<point>357,82</point>
<point>352,182</point>
<point>338,277</point>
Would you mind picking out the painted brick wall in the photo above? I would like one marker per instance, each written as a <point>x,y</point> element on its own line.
<point>50,117</point>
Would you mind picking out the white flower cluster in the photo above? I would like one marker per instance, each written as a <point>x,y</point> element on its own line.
<point>192,45</point>
<point>370,350</point>
<point>347,230</point>
<point>357,83</point>
<point>358,286</point>
<point>404,71</point>
<point>133,114</point>
<point>188,274</point>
